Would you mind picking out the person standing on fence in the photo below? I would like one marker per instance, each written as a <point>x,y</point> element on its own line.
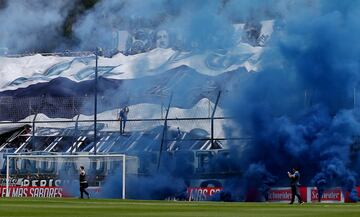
<point>83,183</point>
<point>123,118</point>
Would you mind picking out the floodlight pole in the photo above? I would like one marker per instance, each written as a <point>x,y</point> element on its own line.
<point>95,98</point>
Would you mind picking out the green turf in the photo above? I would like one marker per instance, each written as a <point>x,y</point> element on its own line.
<point>108,208</point>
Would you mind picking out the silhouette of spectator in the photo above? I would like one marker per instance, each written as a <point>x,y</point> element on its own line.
<point>123,118</point>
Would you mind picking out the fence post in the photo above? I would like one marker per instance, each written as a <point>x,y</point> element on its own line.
<point>164,133</point>
<point>212,119</point>
<point>33,132</point>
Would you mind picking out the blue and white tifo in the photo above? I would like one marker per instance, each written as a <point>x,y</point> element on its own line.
<point>176,100</point>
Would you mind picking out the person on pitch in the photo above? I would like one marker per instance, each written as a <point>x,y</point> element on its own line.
<point>83,183</point>
<point>294,184</point>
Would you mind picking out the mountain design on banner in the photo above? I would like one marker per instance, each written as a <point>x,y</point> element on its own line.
<point>187,86</point>
<point>34,69</point>
<point>148,77</point>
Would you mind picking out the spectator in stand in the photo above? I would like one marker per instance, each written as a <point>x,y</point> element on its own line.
<point>123,118</point>
<point>294,184</point>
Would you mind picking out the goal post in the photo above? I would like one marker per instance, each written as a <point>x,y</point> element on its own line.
<point>51,173</point>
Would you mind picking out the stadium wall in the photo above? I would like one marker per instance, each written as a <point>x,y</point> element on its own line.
<point>277,195</point>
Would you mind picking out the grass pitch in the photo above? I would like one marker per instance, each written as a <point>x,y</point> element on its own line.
<point>124,208</point>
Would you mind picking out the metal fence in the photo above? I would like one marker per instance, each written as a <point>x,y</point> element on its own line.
<point>65,113</point>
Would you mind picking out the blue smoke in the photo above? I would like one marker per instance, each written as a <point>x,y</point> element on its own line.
<point>300,106</point>
<point>156,187</point>
<point>26,26</point>
<point>200,24</point>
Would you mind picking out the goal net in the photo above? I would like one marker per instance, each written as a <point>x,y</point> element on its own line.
<point>58,175</point>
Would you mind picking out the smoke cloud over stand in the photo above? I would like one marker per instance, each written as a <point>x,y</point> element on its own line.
<point>300,107</point>
<point>37,25</point>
